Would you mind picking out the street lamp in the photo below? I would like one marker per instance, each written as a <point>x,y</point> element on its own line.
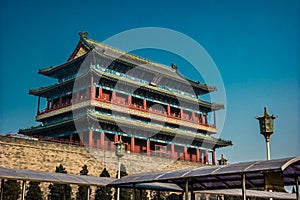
<point>120,152</point>
<point>266,128</point>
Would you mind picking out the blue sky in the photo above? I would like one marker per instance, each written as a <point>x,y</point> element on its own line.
<point>255,45</point>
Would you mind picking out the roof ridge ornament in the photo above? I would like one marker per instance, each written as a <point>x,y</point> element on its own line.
<point>83,35</point>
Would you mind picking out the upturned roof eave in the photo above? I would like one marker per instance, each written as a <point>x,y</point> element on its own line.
<point>50,71</point>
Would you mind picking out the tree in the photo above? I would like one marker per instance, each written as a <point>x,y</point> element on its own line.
<point>12,190</point>
<point>103,193</point>
<point>56,191</point>
<point>139,192</point>
<point>83,189</point>
<point>125,194</point>
<point>34,191</point>
<point>157,195</point>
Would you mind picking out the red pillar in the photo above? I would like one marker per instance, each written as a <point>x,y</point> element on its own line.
<point>213,158</point>
<point>144,103</point>
<point>81,138</point>
<point>197,155</point>
<point>206,157</point>
<point>102,140</point>
<point>181,113</point>
<point>206,119</point>
<point>148,147</point>
<point>116,139</point>
<point>129,100</point>
<point>168,110</point>
<point>132,145</point>
<point>193,116</point>
<point>172,151</point>
<point>100,92</point>
<point>38,106</point>
<point>185,154</point>
<point>91,140</point>
<point>113,97</point>
<point>201,119</point>
<point>200,156</point>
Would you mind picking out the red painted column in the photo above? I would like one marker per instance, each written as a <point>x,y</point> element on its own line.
<point>172,151</point>
<point>201,119</point>
<point>144,103</point>
<point>213,157</point>
<point>91,140</point>
<point>168,110</point>
<point>185,154</point>
<point>132,145</point>
<point>197,155</point>
<point>81,138</point>
<point>113,97</point>
<point>38,106</point>
<point>129,100</point>
<point>200,156</point>
<point>206,119</point>
<point>206,157</point>
<point>102,140</point>
<point>116,139</point>
<point>100,92</point>
<point>148,147</point>
<point>193,116</point>
<point>181,113</point>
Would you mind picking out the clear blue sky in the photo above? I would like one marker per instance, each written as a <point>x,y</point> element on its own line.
<point>255,45</point>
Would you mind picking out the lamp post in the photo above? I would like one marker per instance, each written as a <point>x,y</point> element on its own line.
<point>266,128</point>
<point>120,152</point>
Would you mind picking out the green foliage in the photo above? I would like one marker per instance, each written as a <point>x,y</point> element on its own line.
<point>82,189</point>
<point>12,190</point>
<point>104,173</point>
<point>56,191</point>
<point>125,194</point>
<point>139,192</point>
<point>103,193</point>
<point>34,191</point>
<point>156,195</point>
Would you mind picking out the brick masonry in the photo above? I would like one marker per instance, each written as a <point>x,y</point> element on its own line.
<point>45,156</point>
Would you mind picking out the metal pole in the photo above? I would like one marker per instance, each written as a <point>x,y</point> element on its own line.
<point>2,189</point>
<point>65,192</point>
<point>88,193</point>
<point>133,192</point>
<point>186,189</point>
<point>297,188</point>
<point>268,150</point>
<point>119,176</point>
<point>23,189</point>
<point>244,187</point>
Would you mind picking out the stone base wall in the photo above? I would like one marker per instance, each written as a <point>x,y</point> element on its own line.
<point>45,156</point>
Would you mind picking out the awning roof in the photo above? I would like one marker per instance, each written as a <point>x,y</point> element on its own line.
<point>221,177</point>
<point>29,175</point>
<point>251,193</point>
